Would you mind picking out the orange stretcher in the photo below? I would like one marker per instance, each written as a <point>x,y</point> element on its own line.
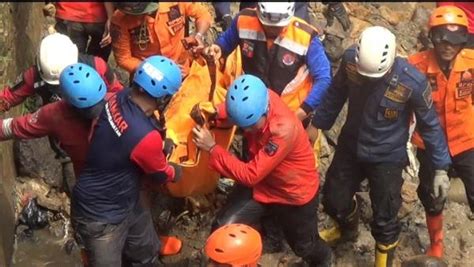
<point>205,82</point>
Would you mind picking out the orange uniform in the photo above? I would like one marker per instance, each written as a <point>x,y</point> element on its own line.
<point>452,98</point>
<point>135,38</point>
<point>88,12</point>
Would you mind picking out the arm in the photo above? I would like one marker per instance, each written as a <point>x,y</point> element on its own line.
<point>148,155</point>
<point>229,40</point>
<point>252,172</point>
<point>122,48</point>
<point>333,101</point>
<point>320,70</point>
<point>33,125</point>
<point>23,87</point>
<point>202,16</point>
<point>108,75</point>
<point>428,126</point>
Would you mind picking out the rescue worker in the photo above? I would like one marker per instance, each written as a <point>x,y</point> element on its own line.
<point>143,29</point>
<point>68,120</point>
<point>449,68</point>
<point>234,245</point>
<point>383,91</point>
<point>55,53</point>
<point>468,8</point>
<point>83,20</point>
<point>280,177</point>
<point>106,214</point>
<point>277,47</point>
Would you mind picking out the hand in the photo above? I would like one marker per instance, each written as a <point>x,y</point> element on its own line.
<point>49,10</point>
<point>440,185</point>
<point>338,11</point>
<point>168,147</point>
<point>178,171</point>
<point>203,138</point>
<point>214,51</point>
<point>106,38</point>
<point>313,134</point>
<point>301,114</point>
<point>197,49</point>
<point>200,108</point>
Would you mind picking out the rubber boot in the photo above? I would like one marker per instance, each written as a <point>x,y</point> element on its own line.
<point>384,254</point>
<point>435,230</point>
<point>170,245</point>
<point>347,230</point>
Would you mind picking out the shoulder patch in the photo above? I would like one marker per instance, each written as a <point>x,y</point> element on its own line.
<point>270,148</point>
<point>427,96</point>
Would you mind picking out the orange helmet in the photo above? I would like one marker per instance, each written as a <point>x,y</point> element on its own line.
<point>447,15</point>
<point>235,244</point>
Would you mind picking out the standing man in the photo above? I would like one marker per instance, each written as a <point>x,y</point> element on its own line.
<point>282,50</point>
<point>107,216</point>
<point>143,29</point>
<point>383,91</point>
<point>280,177</point>
<point>83,20</point>
<point>449,68</point>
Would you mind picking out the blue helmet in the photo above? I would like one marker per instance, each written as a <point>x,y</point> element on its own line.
<point>247,100</point>
<point>81,85</point>
<point>159,76</point>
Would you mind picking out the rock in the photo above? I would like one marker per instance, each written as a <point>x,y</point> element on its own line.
<point>388,14</point>
<point>53,201</point>
<point>333,47</point>
<point>35,158</point>
<point>457,193</point>
<point>424,261</point>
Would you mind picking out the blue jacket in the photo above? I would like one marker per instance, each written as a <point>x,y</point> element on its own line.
<point>379,113</point>
<point>125,145</point>
<point>316,60</point>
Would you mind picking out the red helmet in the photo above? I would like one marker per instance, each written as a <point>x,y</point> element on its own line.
<point>235,244</point>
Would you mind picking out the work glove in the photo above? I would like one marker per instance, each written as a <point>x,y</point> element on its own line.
<point>440,185</point>
<point>338,11</point>
<point>178,171</point>
<point>168,147</point>
<point>203,110</point>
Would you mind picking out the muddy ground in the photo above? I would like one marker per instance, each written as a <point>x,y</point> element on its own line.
<point>53,246</point>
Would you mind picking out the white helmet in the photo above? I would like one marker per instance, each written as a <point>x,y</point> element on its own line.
<point>375,51</point>
<point>275,13</point>
<point>56,52</point>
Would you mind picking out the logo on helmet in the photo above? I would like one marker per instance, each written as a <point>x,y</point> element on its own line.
<point>288,59</point>
<point>153,72</point>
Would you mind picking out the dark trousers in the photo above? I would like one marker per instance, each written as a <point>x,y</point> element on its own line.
<point>385,180</point>
<point>134,239</point>
<point>299,223</point>
<point>79,32</point>
<point>463,165</point>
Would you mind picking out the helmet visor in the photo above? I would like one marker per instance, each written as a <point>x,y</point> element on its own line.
<point>452,34</point>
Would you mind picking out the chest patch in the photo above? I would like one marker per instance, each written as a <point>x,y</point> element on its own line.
<point>288,59</point>
<point>398,93</point>
<point>247,48</point>
<point>390,114</point>
<point>270,148</point>
<point>175,20</point>
<point>464,86</point>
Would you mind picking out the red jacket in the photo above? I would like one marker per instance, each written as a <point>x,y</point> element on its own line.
<point>30,82</point>
<point>282,168</point>
<point>58,120</point>
<point>89,12</point>
<point>467,7</point>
